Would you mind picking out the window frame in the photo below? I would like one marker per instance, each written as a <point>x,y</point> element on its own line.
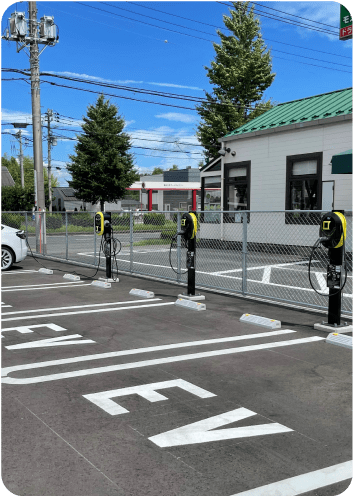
<point>228,181</point>
<point>290,159</point>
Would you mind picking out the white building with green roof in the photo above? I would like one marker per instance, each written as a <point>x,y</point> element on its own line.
<point>296,156</point>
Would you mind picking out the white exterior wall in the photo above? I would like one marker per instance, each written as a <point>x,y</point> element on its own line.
<point>268,156</point>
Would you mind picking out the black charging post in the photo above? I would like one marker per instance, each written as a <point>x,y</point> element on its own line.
<point>108,244</point>
<point>332,237</point>
<point>189,229</point>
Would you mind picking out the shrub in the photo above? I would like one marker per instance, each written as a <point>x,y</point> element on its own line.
<point>82,220</point>
<point>54,221</point>
<point>121,219</point>
<point>12,220</point>
<point>168,231</point>
<point>154,219</point>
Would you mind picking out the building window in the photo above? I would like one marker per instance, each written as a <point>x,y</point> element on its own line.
<point>236,190</point>
<point>211,198</point>
<point>303,191</point>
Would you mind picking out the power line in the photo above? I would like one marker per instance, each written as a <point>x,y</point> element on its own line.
<point>293,15</point>
<point>273,50</point>
<point>294,23</point>
<point>218,27</point>
<point>186,34</point>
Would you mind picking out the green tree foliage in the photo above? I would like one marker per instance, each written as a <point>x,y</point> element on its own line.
<point>157,170</point>
<point>102,166</point>
<point>18,198</point>
<point>240,74</point>
<point>174,167</point>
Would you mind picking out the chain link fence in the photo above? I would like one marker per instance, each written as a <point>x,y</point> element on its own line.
<point>263,254</point>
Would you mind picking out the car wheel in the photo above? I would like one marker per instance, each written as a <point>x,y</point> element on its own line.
<point>7,258</point>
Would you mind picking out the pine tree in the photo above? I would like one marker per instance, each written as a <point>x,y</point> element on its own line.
<point>102,167</point>
<point>240,74</point>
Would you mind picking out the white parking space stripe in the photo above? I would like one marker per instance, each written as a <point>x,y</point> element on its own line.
<point>79,306</point>
<point>259,267</point>
<point>266,275</point>
<point>13,273</point>
<point>133,365</point>
<point>85,311</point>
<point>43,287</point>
<point>322,282</point>
<point>304,483</point>
<point>39,285</point>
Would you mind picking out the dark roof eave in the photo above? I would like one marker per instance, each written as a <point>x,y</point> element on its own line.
<point>289,127</point>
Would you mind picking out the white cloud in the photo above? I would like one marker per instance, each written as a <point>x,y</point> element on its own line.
<point>177,116</point>
<point>15,116</point>
<point>95,78</point>
<point>172,85</point>
<point>326,13</point>
<point>121,81</point>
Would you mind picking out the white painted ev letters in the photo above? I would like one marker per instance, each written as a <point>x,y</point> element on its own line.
<point>26,329</point>
<point>202,431</point>
<point>41,343</point>
<point>147,391</point>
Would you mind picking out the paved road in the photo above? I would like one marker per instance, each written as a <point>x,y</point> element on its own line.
<point>280,276</point>
<point>111,395</point>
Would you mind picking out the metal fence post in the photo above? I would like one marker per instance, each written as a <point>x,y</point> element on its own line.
<point>131,242</point>
<point>95,246</point>
<point>178,248</point>
<point>67,238</point>
<point>26,223</point>
<point>244,281</point>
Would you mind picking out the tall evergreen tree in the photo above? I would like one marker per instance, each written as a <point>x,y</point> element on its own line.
<point>102,167</point>
<point>240,74</point>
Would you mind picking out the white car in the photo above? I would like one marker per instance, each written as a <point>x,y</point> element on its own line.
<point>13,246</point>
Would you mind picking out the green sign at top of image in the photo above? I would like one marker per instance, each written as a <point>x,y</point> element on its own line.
<point>345,24</point>
<point>346,18</point>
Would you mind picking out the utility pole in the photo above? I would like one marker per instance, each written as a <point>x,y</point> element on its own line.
<point>51,142</point>
<point>30,35</point>
<point>19,136</point>
<point>36,112</point>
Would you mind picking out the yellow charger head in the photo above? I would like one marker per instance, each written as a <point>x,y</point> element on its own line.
<point>189,225</point>
<point>99,223</point>
<point>333,227</point>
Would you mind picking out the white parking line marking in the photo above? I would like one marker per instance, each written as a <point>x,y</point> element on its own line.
<point>147,391</point>
<point>132,365</point>
<point>13,273</point>
<point>255,268</point>
<point>79,306</point>
<point>41,343</point>
<point>305,482</point>
<point>44,287</point>
<point>202,431</point>
<point>266,275</point>
<point>322,282</point>
<point>85,311</point>
<point>40,285</point>
<point>27,329</point>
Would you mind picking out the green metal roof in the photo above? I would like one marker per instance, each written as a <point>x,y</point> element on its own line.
<point>307,109</point>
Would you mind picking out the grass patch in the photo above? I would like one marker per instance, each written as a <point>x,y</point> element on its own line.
<point>146,242</point>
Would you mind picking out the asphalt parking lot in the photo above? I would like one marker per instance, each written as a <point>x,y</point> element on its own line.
<point>108,394</point>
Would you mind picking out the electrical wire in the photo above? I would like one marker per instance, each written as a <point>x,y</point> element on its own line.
<point>316,245</point>
<point>170,257</point>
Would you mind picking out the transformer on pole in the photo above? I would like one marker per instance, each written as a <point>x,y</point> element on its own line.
<point>28,34</point>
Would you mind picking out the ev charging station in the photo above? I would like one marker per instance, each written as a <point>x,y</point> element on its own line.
<point>103,227</point>
<point>333,227</point>
<point>188,232</point>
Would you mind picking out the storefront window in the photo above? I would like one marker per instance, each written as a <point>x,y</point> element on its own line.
<point>237,188</point>
<point>304,187</point>
<point>211,198</point>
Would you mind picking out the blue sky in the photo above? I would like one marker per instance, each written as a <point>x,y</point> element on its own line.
<point>129,44</point>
